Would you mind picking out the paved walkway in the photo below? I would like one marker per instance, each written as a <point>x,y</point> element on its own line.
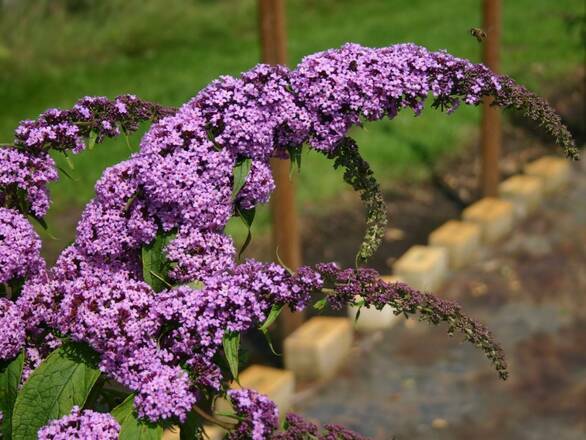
<point>414,382</point>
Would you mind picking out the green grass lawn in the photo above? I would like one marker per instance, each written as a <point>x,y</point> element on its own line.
<point>167,50</point>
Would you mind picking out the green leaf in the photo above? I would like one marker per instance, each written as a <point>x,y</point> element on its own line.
<point>271,318</point>
<point>320,305</point>
<point>69,161</point>
<point>247,217</point>
<point>196,285</point>
<point>231,344</point>
<point>192,428</point>
<point>267,336</point>
<point>282,263</point>
<point>155,265</point>
<point>91,141</point>
<point>126,138</point>
<point>131,427</point>
<point>64,171</point>
<point>357,315</point>
<point>273,315</point>
<point>129,202</point>
<point>295,155</point>
<point>10,373</point>
<point>241,172</point>
<point>41,221</point>
<point>62,381</point>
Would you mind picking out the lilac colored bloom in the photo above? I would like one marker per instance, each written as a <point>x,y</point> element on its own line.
<point>12,330</point>
<point>260,415</point>
<point>74,263</point>
<point>199,255</point>
<point>258,187</point>
<point>86,424</point>
<point>298,428</point>
<point>184,179</point>
<point>19,247</point>
<point>27,172</point>
<point>341,86</point>
<point>110,313</point>
<point>163,390</point>
<point>39,344</point>
<point>166,393</point>
<point>110,232</point>
<point>254,114</point>
<point>65,130</point>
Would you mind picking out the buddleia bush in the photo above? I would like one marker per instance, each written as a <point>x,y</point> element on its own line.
<point>136,328</point>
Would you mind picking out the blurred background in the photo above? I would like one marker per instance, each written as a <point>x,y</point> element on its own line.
<point>531,289</point>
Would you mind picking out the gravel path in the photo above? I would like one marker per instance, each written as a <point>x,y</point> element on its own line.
<point>414,382</point>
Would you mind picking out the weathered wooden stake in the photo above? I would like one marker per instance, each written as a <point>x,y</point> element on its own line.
<point>491,116</point>
<point>285,225</point>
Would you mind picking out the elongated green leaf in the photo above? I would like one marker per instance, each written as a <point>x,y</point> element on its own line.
<point>357,315</point>
<point>10,373</point>
<point>91,141</point>
<point>295,156</point>
<point>131,428</point>
<point>247,217</point>
<point>192,428</point>
<point>155,265</point>
<point>321,304</point>
<point>62,381</point>
<point>264,328</point>
<point>69,161</point>
<point>241,172</point>
<point>231,344</point>
<point>69,176</point>
<point>273,315</point>
<point>282,263</point>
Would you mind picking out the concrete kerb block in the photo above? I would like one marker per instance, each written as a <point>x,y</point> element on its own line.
<point>423,267</point>
<point>371,319</point>
<point>171,433</point>
<point>318,348</point>
<point>212,432</point>
<point>462,241</point>
<point>495,217</point>
<point>524,192</point>
<point>554,172</point>
<point>277,384</point>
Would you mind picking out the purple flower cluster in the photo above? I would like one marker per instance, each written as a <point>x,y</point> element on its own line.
<point>258,187</point>
<point>87,425</point>
<point>66,130</point>
<point>20,247</point>
<point>297,428</point>
<point>12,330</point>
<point>260,415</point>
<point>199,254</point>
<point>180,187</point>
<point>253,115</point>
<point>343,285</point>
<point>27,166</point>
<point>29,173</point>
<point>341,86</point>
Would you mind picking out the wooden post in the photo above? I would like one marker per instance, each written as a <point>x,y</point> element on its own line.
<point>491,116</point>
<point>285,226</point>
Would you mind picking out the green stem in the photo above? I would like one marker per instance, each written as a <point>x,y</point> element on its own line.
<point>204,415</point>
